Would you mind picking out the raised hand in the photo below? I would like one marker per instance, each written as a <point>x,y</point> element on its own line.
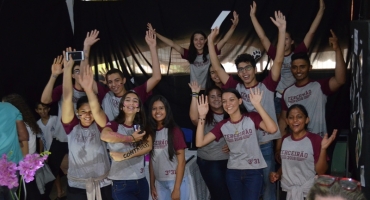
<point>325,143</point>
<point>151,38</point>
<point>203,105</point>
<point>57,66</point>
<point>274,176</point>
<point>194,86</point>
<point>150,27</point>
<point>279,20</point>
<point>253,9</point>
<point>333,40</point>
<point>255,96</point>
<point>68,64</point>
<point>235,19</point>
<point>138,136</point>
<point>91,38</point>
<point>86,77</point>
<point>212,36</point>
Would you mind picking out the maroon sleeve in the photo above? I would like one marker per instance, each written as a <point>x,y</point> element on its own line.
<point>316,145</point>
<point>178,139</point>
<point>217,129</point>
<point>325,88</point>
<point>69,127</point>
<point>256,118</point>
<point>113,125</point>
<point>57,94</point>
<point>102,91</point>
<point>272,51</point>
<point>283,104</point>
<point>186,54</point>
<point>270,83</point>
<point>141,92</point>
<point>301,48</point>
<point>231,83</point>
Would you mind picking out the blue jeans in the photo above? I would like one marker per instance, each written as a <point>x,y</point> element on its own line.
<point>244,184</point>
<point>214,175</point>
<point>165,188</point>
<point>269,189</point>
<point>277,102</point>
<point>130,189</point>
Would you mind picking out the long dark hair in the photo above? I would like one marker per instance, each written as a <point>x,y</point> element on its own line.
<point>209,82</point>
<point>139,117</point>
<point>18,101</point>
<point>210,117</point>
<point>302,109</point>
<point>242,108</point>
<point>168,123</point>
<point>193,53</point>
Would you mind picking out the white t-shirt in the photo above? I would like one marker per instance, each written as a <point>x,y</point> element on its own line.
<point>31,140</point>
<point>48,130</point>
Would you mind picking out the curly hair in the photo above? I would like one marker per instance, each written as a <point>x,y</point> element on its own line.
<point>19,102</point>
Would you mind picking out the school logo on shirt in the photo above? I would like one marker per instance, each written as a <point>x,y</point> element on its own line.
<point>160,144</point>
<point>84,136</point>
<point>240,136</point>
<point>52,129</point>
<point>245,96</point>
<point>293,155</point>
<point>201,63</point>
<point>299,97</point>
<point>115,102</point>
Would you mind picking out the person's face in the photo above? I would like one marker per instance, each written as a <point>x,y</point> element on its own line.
<point>300,69</point>
<point>131,104</point>
<point>199,41</point>
<point>214,99</point>
<point>246,72</point>
<point>76,72</point>
<point>214,75</point>
<point>43,111</point>
<point>297,120</point>
<point>328,198</point>
<point>230,102</point>
<point>288,42</point>
<point>85,114</point>
<point>158,112</point>
<point>116,83</point>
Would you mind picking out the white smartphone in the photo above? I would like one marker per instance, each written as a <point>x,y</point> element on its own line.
<point>76,55</point>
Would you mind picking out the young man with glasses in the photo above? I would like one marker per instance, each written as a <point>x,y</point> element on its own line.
<point>246,66</point>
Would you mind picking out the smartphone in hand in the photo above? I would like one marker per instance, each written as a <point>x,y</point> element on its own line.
<point>76,55</point>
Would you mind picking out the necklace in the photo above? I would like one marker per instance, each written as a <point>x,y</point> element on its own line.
<point>238,125</point>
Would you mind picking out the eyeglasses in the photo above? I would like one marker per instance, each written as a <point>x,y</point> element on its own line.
<point>246,68</point>
<point>348,184</point>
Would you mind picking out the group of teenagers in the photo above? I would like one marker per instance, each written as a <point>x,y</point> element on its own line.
<point>106,132</point>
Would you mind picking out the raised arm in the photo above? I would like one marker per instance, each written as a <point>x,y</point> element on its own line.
<point>67,105</point>
<point>201,139</point>
<point>169,42</point>
<point>340,67</point>
<point>193,111</point>
<point>260,32</point>
<point>280,23</point>
<point>267,123</point>
<point>229,33</point>
<point>56,70</point>
<point>150,39</point>
<point>180,169</point>
<point>141,149</point>
<point>311,32</point>
<point>108,135</point>
<point>91,39</point>
<point>86,80</point>
<point>321,166</point>
<point>215,62</point>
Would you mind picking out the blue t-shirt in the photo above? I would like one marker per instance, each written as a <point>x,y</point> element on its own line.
<point>9,143</point>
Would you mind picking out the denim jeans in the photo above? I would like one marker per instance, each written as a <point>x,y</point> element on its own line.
<point>80,194</point>
<point>165,188</point>
<point>269,189</point>
<point>244,184</point>
<point>214,175</point>
<point>130,189</point>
